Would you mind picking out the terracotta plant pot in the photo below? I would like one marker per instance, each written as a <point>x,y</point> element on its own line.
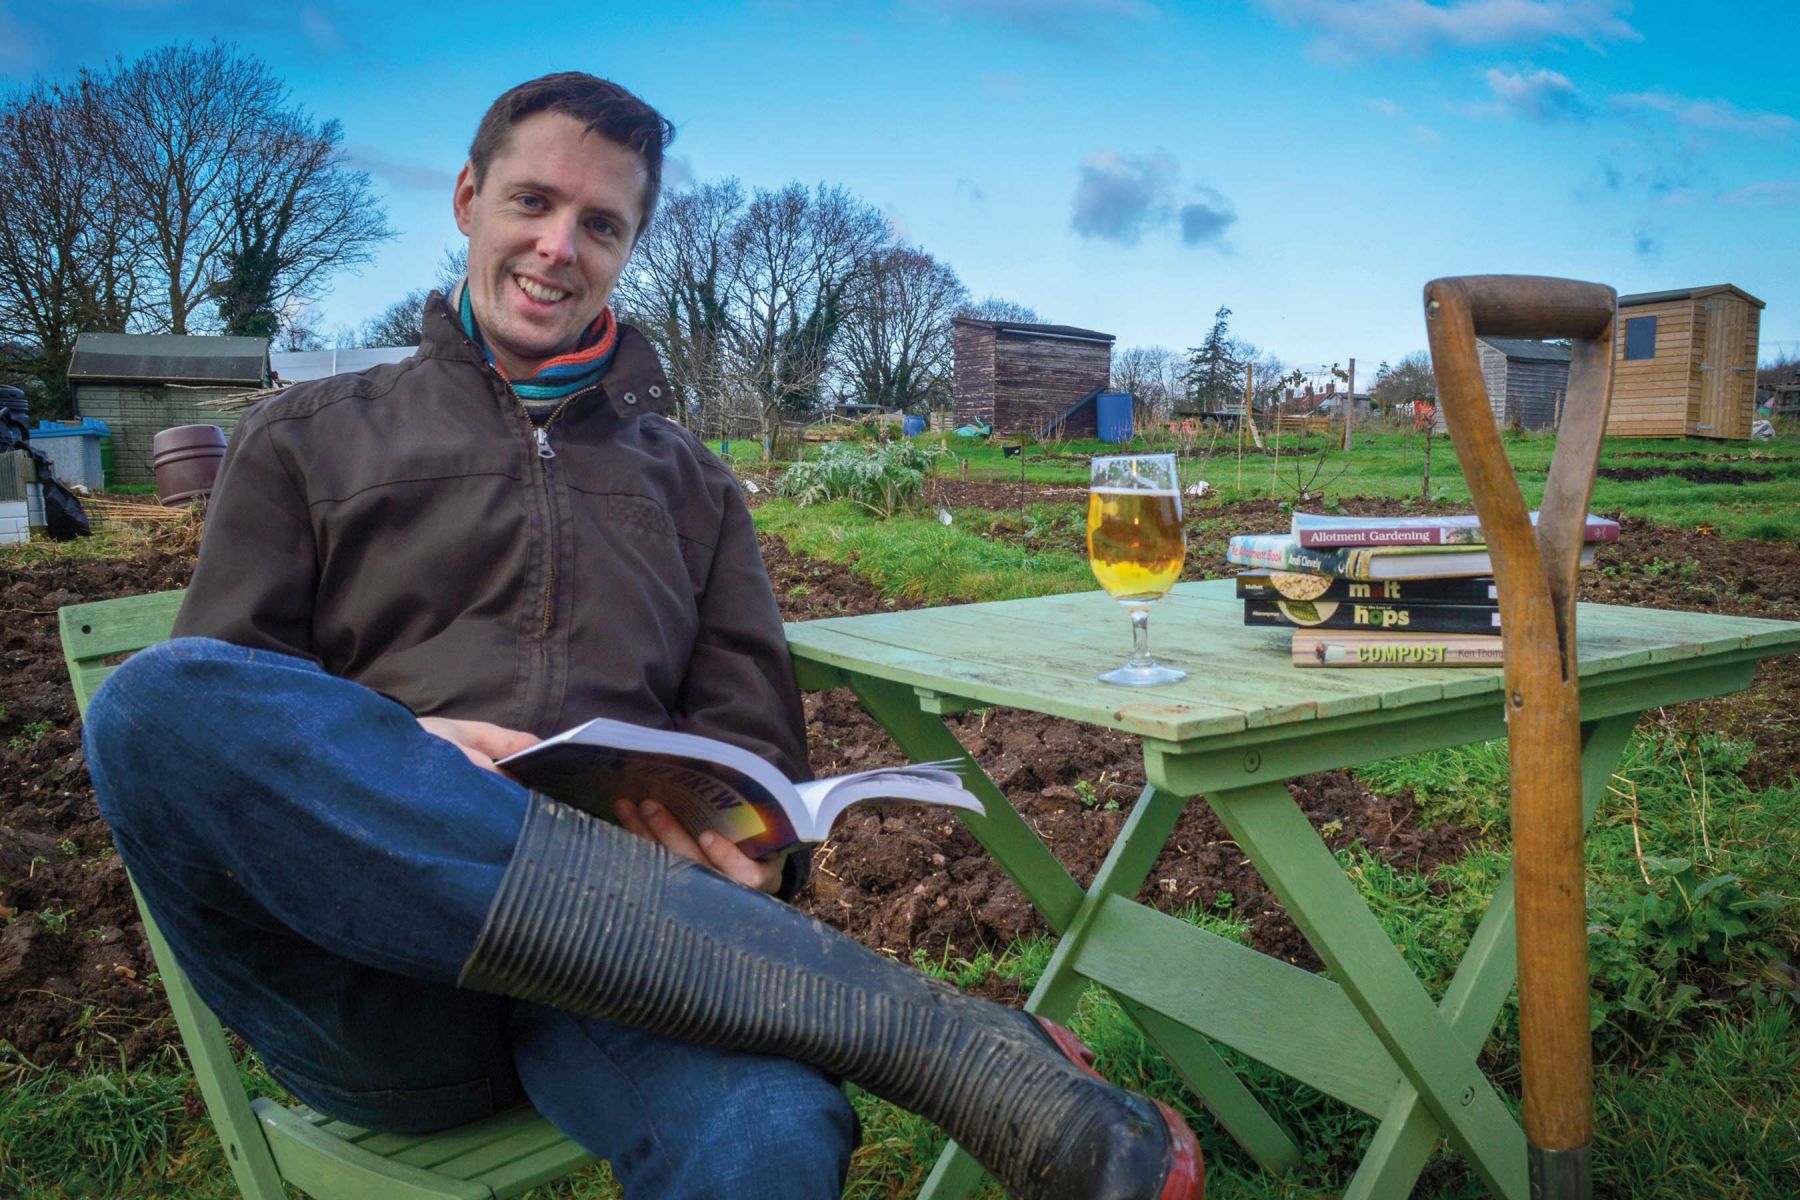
<point>186,461</point>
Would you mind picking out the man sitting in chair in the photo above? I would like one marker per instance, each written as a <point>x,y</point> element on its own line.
<point>410,572</point>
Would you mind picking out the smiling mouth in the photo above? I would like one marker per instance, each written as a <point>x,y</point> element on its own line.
<point>538,292</point>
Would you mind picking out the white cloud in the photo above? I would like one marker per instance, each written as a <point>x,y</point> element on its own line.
<point>1118,196</point>
<point>1721,115</point>
<point>319,29</point>
<point>1426,135</point>
<point>1765,194</point>
<point>1121,197</point>
<point>1207,218</point>
<point>1545,95</point>
<point>396,173</point>
<point>1386,108</point>
<point>1347,29</point>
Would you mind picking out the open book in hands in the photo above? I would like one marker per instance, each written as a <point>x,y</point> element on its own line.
<point>708,784</point>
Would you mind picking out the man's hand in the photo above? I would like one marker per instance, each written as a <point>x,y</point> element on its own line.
<point>480,741</point>
<point>710,850</point>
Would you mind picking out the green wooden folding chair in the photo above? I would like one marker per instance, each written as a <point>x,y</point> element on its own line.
<point>269,1145</point>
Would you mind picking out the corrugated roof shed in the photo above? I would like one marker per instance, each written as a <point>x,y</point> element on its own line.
<point>297,366</point>
<point>1528,349</point>
<point>170,358</point>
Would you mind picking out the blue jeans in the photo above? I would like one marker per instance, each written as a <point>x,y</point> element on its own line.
<point>321,867</point>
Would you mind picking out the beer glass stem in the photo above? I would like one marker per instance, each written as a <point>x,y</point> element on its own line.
<point>1140,637</point>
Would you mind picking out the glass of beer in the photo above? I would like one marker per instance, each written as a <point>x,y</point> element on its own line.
<point>1135,546</point>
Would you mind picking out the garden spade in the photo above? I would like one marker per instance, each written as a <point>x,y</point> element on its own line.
<point>1535,572</point>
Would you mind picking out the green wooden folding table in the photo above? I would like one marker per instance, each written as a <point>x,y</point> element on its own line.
<point>1243,721</point>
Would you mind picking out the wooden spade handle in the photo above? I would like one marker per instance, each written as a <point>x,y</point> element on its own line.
<point>1536,576</point>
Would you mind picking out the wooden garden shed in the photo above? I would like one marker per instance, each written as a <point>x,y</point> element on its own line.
<point>1684,363</point>
<point>1020,377</point>
<point>1526,380</point>
<point>143,383</point>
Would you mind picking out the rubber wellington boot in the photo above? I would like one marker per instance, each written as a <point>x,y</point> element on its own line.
<point>595,921</point>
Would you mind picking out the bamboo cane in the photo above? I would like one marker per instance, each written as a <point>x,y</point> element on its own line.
<point>1536,576</point>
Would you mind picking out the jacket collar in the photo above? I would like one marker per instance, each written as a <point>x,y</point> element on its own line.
<point>634,384</point>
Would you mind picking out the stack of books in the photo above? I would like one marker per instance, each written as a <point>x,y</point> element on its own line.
<point>1382,591</point>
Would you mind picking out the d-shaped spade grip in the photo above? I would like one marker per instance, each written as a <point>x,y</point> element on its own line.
<point>1536,575</point>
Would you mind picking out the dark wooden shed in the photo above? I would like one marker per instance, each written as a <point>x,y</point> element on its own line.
<point>143,383</point>
<point>1526,380</point>
<point>1020,377</point>
<point>1684,363</point>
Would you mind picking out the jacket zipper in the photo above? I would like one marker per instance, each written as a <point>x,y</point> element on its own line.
<point>540,436</point>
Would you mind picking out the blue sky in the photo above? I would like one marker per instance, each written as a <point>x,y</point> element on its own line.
<point>1127,165</point>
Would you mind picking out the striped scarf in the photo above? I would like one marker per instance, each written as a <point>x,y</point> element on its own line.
<point>556,377</point>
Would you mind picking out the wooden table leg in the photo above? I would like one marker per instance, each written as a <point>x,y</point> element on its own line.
<point>1002,832</point>
<point>1006,836</point>
<point>1403,1144</point>
<point>1295,863</point>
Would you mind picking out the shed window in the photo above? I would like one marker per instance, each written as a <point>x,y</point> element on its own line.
<point>1640,337</point>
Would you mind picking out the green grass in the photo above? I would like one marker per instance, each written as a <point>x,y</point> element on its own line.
<point>1384,462</point>
<point>918,558</point>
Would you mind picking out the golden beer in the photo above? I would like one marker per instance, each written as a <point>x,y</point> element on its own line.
<point>1134,541</point>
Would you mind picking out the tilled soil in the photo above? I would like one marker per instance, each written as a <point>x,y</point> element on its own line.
<point>1691,474</point>
<point>74,962</point>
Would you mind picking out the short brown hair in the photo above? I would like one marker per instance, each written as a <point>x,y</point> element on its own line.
<point>607,109</point>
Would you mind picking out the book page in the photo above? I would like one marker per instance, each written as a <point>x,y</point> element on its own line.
<point>927,783</point>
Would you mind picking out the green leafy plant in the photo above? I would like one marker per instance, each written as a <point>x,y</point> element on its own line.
<point>883,480</point>
<point>1642,944</point>
<point>1696,916</point>
<point>28,736</point>
<point>1659,567</point>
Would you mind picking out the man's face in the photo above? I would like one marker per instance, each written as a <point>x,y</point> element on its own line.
<point>549,231</point>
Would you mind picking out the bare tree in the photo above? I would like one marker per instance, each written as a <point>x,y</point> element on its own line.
<point>797,279</point>
<point>451,268</point>
<point>401,323</point>
<point>1409,381</point>
<point>298,215</point>
<point>897,344</point>
<point>1152,374</point>
<point>242,202</point>
<point>68,261</point>
<point>1270,377</point>
<point>993,308</point>
<point>177,123</point>
<point>675,291</point>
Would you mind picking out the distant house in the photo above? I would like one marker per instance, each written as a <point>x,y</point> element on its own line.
<point>1333,404</point>
<point>1684,363</point>
<point>298,366</point>
<point>1024,378</point>
<point>143,383</point>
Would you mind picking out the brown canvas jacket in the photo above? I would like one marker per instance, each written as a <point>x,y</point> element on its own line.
<point>400,528</point>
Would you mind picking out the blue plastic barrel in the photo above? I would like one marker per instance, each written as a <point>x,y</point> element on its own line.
<point>912,426</point>
<point>1113,412</point>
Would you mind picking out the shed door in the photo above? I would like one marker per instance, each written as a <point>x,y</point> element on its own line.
<point>1720,384</point>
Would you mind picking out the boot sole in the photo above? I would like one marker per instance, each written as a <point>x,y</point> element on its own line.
<point>1186,1178</point>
